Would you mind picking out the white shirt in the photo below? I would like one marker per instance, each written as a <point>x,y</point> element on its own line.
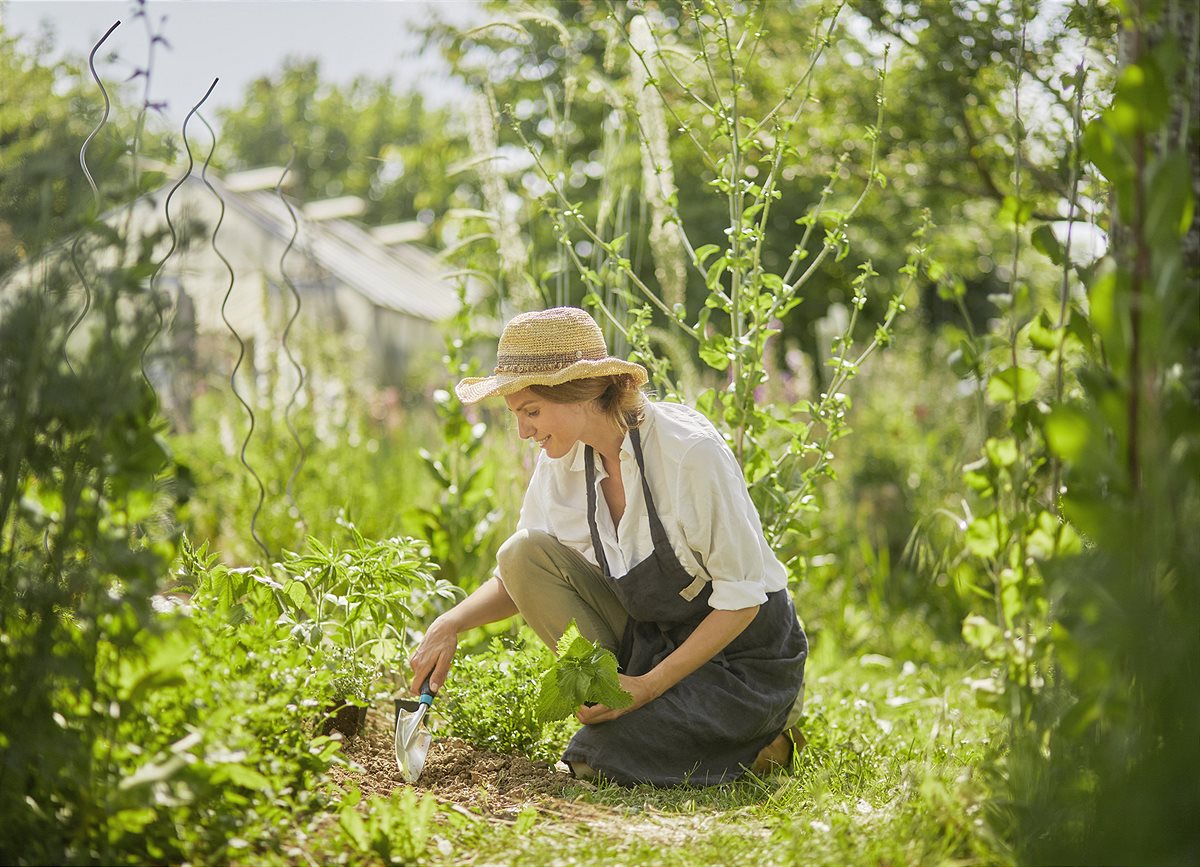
<point>701,498</point>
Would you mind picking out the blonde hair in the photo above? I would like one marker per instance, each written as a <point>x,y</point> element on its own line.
<point>617,396</point>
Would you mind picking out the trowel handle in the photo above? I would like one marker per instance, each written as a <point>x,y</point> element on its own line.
<point>426,693</point>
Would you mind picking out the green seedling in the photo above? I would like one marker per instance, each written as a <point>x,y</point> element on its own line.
<point>584,673</point>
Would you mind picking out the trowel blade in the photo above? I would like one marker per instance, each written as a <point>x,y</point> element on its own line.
<point>415,756</point>
<point>412,741</point>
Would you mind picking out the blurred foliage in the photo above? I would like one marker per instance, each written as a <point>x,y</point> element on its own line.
<point>462,521</point>
<point>366,139</point>
<point>88,494</point>
<point>397,829</point>
<point>1128,437</point>
<point>1075,536</point>
<point>47,109</point>
<point>945,148</point>
<point>356,440</point>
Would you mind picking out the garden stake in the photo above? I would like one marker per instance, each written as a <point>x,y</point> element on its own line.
<point>412,741</point>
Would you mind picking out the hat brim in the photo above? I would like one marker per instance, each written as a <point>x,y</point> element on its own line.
<point>476,388</point>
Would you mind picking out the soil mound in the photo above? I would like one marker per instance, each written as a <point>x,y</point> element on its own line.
<point>455,770</point>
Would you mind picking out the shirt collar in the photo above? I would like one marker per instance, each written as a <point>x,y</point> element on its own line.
<point>579,450</point>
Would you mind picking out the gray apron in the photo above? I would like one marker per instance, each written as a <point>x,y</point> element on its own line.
<point>709,727</point>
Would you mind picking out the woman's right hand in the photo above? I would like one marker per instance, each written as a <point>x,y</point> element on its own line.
<point>434,656</point>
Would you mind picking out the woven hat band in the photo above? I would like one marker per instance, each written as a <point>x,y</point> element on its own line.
<point>520,362</point>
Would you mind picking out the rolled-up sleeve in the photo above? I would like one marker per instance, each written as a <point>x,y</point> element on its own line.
<point>721,525</point>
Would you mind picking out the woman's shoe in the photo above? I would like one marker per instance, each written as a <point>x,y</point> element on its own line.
<point>581,771</point>
<point>778,754</point>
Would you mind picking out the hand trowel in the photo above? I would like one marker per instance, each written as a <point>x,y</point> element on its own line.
<point>412,740</point>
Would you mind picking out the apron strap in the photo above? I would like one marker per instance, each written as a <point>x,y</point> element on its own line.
<point>589,461</point>
<point>657,532</point>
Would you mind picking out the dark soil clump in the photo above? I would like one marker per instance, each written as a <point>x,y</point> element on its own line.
<point>455,771</point>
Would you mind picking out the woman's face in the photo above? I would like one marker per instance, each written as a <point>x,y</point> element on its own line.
<point>556,427</point>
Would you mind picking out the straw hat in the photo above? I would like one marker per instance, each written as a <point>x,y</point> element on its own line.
<point>548,347</point>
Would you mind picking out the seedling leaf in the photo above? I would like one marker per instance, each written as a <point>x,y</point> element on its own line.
<point>584,672</point>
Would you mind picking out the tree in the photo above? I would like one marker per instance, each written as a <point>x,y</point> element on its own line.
<point>46,112</point>
<point>365,139</point>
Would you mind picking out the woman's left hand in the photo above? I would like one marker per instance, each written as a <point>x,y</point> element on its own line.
<point>640,688</point>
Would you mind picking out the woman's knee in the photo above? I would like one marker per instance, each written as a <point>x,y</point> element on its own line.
<point>520,556</point>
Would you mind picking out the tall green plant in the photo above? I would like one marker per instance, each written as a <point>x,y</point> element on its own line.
<point>748,158</point>
<point>88,493</point>
<point>1126,643</point>
<point>1078,536</point>
<point>461,525</point>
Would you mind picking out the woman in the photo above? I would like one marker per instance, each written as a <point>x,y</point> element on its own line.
<point>637,526</point>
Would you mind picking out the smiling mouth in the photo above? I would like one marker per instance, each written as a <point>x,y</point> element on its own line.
<point>542,443</point>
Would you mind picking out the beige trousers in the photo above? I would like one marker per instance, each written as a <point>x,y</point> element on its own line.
<point>552,585</point>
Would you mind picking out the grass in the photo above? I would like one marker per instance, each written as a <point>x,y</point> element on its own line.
<point>891,775</point>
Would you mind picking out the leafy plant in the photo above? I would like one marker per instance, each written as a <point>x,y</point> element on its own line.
<point>353,678</point>
<point>88,486</point>
<point>462,523</point>
<point>583,673</point>
<point>348,605</point>
<point>492,699</point>
<point>217,734</point>
<point>397,829</point>
<point>359,596</point>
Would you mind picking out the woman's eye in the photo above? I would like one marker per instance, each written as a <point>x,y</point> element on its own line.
<point>533,413</point>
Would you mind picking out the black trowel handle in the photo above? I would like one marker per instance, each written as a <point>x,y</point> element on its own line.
<point>427,694</point>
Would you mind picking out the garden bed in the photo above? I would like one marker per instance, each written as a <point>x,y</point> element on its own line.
<point>455,771</point>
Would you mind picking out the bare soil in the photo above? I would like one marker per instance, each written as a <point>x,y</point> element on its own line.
<point>455,771</point>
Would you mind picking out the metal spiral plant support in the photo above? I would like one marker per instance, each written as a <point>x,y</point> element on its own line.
<point>87,291</point>
<point>287,413</point>
<point>147,74</point>
<point>262,491</point>
<point>187,148</point>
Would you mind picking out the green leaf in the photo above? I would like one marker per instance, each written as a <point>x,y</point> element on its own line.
<point>715,353</point>
<point>1108,152</point>
<point>1169,201</point>
<point>151,180</point>
<point>550,699</point>
<point>584,672</point>
<point>1001,452</point>
<point>980,633</point>
<point>1141,99</point>
<point>353,826</point>
<point>247,777</point>
<point>982,539</point>
<point>565,640</point>
<point>610,695</point>
<point>1045,242</point>
<point>1017,384</point>
<point>1014,212</point>
<point>712,278</point>
<point>702,254</point>
<point>1043,334</point>
<point>1067,432</point>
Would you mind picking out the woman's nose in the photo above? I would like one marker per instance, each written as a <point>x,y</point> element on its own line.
<point>524,429</point>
